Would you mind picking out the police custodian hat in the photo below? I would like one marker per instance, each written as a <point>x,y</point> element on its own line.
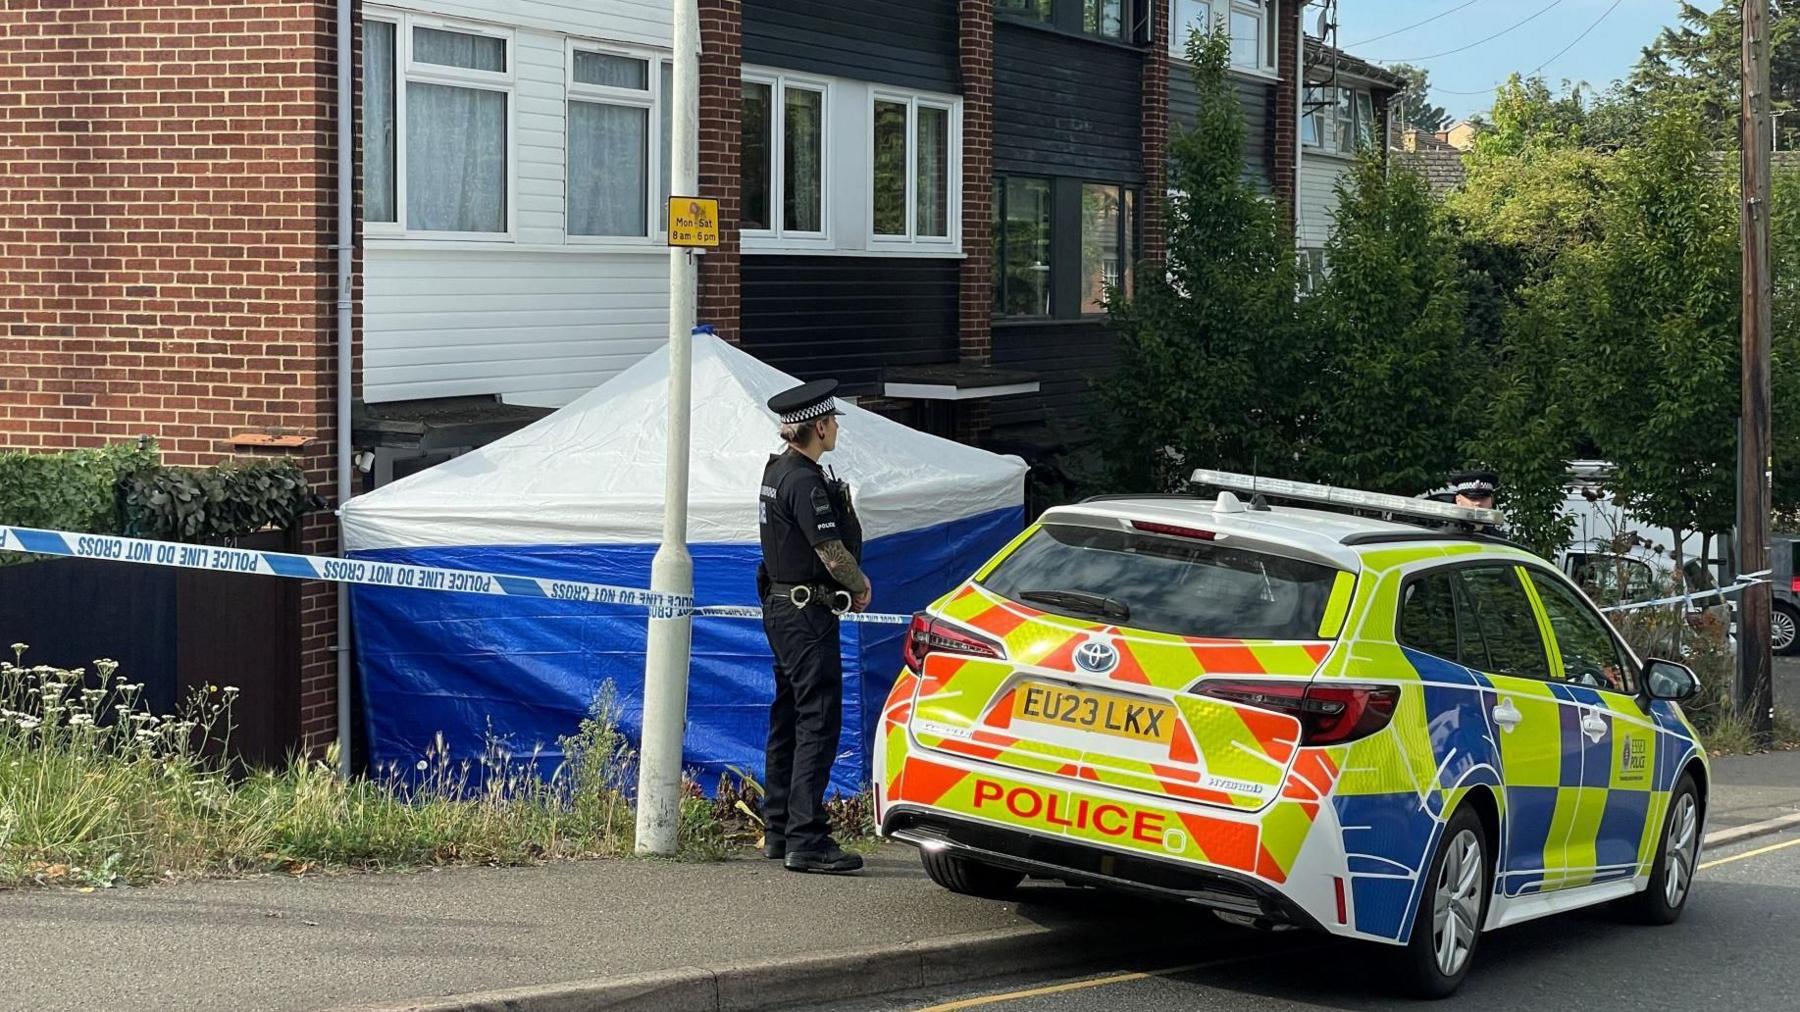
<point>1476,482</point>
<point>806,402</point>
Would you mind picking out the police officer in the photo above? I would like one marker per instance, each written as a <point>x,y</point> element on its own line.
<point>811,573</point>
<point>1475,488</point>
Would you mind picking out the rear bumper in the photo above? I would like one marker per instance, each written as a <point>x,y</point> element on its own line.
<point>1084,864</point>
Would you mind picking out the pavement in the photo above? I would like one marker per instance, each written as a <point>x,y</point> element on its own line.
<point>710,935</point>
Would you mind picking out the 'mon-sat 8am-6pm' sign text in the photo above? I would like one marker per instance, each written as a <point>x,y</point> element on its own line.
<point>693,221</point>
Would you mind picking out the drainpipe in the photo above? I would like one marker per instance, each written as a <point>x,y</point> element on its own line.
<point>345,362</point>
<point>1299,123</point>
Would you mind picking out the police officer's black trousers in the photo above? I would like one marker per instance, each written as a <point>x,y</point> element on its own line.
<point>804,722</point>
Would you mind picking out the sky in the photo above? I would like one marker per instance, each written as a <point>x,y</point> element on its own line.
<point>1606,52</point>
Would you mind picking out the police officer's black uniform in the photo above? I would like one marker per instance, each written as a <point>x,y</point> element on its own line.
<point>800,508</point>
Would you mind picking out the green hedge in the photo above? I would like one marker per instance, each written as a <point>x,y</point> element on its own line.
<point>124,489</point>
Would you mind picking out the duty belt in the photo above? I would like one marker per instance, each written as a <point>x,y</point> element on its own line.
<point>802,594</point>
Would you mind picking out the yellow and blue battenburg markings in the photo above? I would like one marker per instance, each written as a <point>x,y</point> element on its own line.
<point>1579,782</point>
<point>142,551</point>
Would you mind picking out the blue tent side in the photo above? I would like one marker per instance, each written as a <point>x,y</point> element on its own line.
<point>523,672</point>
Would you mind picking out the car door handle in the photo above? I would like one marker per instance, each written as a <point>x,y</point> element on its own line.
<point>1593,726</point>
<point>1507,715</point>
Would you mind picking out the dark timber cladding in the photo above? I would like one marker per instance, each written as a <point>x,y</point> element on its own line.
<point>1065,105</point>
<point>849,317</point>
<point>906,43</point>
<point>1256,99</point>
<point>1067,356</point>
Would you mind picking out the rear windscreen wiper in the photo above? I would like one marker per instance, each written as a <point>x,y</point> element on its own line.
<point>1082,601</point>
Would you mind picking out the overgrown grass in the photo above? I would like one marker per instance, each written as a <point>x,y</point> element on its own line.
<point>97,791</point>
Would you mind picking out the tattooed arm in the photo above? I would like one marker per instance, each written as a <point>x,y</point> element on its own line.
<point>843,568</point>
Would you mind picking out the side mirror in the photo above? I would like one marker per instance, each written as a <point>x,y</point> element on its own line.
<point>1670,680</point>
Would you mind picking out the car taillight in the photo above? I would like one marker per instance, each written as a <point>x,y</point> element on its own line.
<point>1795,585</point>
<point>1329,713</point>
<point>929,635</point>
<point>1173,530</point>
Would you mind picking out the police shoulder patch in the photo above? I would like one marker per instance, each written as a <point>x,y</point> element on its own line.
<point>821,502</point>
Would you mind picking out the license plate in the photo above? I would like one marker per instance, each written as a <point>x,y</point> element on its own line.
<point>1138,720</point>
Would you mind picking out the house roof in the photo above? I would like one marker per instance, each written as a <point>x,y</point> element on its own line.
<point>1442,167</point>
<point>1318,54</point>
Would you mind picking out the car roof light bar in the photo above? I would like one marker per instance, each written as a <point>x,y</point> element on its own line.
<point>1306,491</point>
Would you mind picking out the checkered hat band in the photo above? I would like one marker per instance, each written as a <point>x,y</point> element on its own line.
<point>810,412</point>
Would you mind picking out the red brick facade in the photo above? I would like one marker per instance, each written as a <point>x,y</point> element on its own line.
<point>975,315</point>
<point>167,211</point>
<point>1156,141</point>
<point>1286,115</point>
<point>721,99</point>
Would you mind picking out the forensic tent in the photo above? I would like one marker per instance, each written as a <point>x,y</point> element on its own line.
<point>579,496</point>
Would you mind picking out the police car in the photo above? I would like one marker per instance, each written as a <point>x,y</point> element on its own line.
<point>1396,728</point>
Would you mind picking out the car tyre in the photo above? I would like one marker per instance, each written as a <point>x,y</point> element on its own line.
<point>1452,908</point>
<point>1677,858</point>
<point>1784,629</point>
<point>971,878</point>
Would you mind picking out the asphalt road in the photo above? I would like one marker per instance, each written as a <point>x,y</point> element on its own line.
<point>1733,949</point>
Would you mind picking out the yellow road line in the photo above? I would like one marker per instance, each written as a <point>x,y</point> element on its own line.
<point>1750,853</point>
<point>1167,971</point>
<point>1117,978</point>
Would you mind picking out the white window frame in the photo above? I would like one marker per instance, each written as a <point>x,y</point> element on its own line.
<point>1333,125</point>
<point>651,100</point>
<point>406,71</point>
<point>1268,16</point>
<point>776,235</point>
<point>953,190</point>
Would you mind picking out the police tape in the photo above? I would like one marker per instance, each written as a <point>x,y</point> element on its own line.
<point>364,572</point>
<point>1749,580</point>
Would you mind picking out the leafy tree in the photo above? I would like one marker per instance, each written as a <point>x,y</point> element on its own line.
<point>1207,351</point>
<point>1656,307</point>
<point>1415,108</point>
<point>1694,65</point>
<point>1395,375</point>
<point>1784,232</point>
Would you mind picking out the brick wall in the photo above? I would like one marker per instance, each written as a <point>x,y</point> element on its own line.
<point>166,222</point>
<point>1156,138</point>
<point>976,302</point>
<point>1285,115</point>
<point>721,91</point>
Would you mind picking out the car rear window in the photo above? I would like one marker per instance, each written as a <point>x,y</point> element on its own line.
<point>1173,585</point>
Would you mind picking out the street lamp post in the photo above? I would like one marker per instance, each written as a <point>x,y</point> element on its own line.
<point>672,571</point>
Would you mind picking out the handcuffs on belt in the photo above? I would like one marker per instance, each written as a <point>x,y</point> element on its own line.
<point>802,595</point>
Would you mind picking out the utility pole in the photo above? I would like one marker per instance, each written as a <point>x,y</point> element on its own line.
<point>1755,691</point>
<point>672,571</point>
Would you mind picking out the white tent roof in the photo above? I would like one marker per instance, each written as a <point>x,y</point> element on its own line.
<point>592,472</point>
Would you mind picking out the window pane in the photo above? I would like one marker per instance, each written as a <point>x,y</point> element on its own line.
<point>1102,17</point>
<point>1190,16</point>
<point>458,49</point>
<point>378,122</point>
<point>1128,261</point>
<point>1038,9</point>
<point>1346,120</point>
<point>609,152</point>
<point>802,151</point>
<point>1101,215</point>
<point>754,174</point>
<point>1172,585</point>
<point>890,168</point>
<point>1365,119</point>
<point>1246,39</point>
<point>1428,617</point>
<point>1589,654</point>
<point>1312,122</point>
<point>455,159</point>
<point>1507,622</point>
<point>667,110</point>
<point>612,71</point>
<point>1027,245</point>
<point>934,173</point>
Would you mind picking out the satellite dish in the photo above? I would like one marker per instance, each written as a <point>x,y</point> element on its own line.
<point>1319,29</point>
